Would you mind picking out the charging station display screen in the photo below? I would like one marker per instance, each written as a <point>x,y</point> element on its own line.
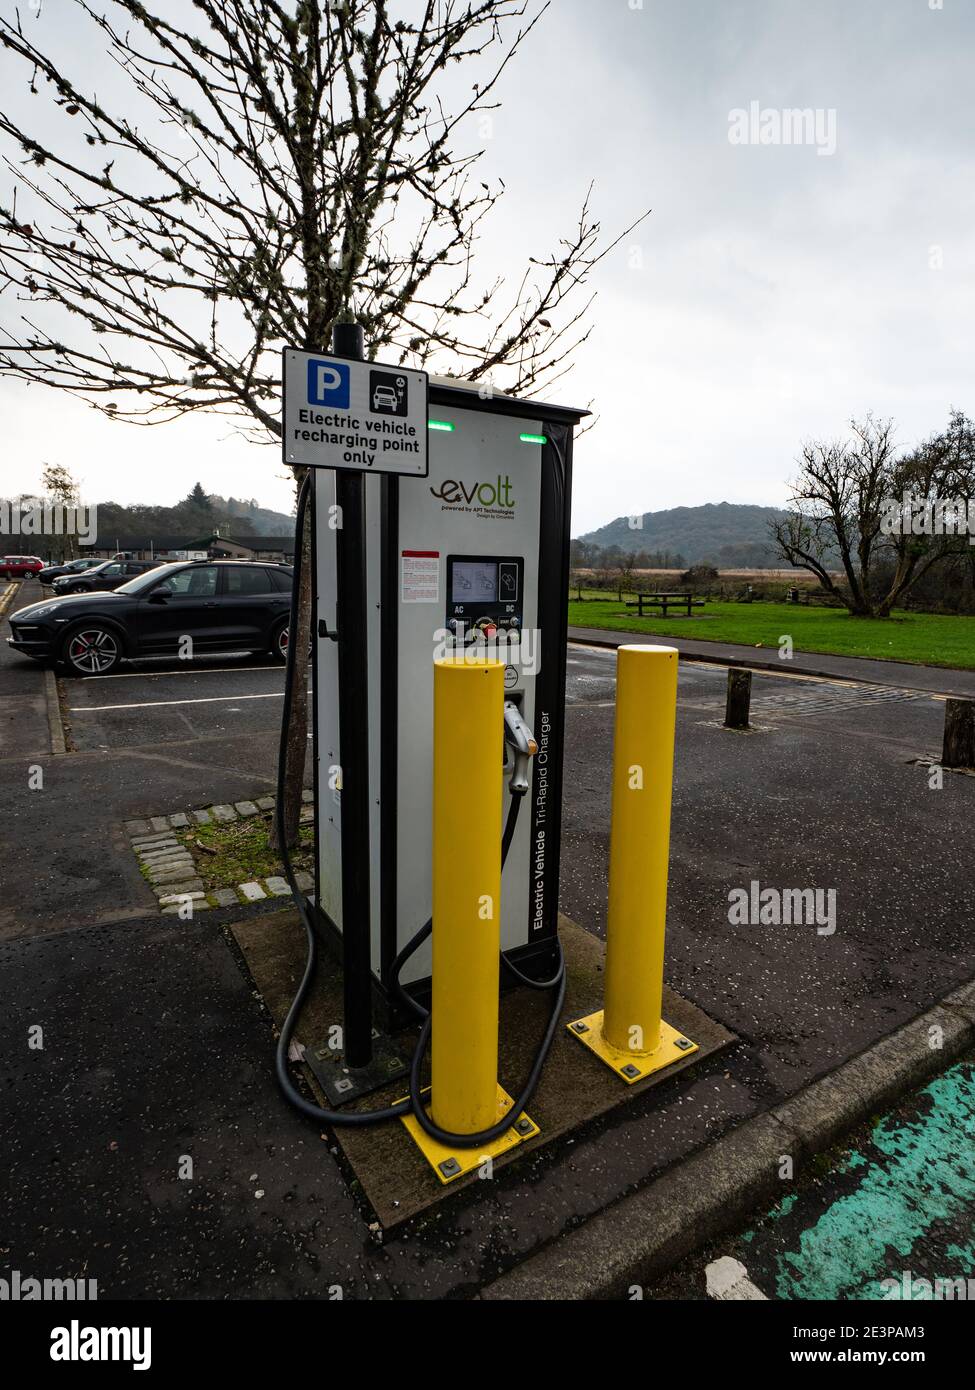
<point>474,581</point>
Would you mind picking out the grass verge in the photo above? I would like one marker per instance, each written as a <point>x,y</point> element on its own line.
<point>240,852</point>
<point>930,639</point>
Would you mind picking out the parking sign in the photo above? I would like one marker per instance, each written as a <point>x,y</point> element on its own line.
<point>341,413</point>
<point>328,383</point>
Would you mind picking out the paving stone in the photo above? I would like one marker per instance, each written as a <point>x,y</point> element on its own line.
<point>195,896</point>
<point>170,852</point>
<point>173,875</point>
<point>173,883</point>
<point>307,795</point>
<point>201,817</point>
<point>245,809</point>
<point>304,880</point>
<point>137,827</point>
<point>189,885</point>
<point>278,886</point>
<point>265,803</point>
<point>179,821</point>
<point>253,892</point>
<point>223,813</point>
<point>147,841</point>
<point>225,897</point>
<point>184,868</point>
<point>174,908</point>
<point>158,822</point>
<point>307,815</point>
<point>164,847</point>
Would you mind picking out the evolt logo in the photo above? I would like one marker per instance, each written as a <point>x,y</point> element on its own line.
<point>456,493</point>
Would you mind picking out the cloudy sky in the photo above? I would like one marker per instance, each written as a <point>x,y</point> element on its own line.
<point>773,291</point>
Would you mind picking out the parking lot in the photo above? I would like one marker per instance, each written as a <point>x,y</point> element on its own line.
<point>172,701</point>
<point>164,701</point>
<point>825,792</point>
<point>165,734</point>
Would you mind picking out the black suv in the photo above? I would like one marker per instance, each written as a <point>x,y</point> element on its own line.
<point>222,605</point>
<point>73,567</point>
<point>110,574</point>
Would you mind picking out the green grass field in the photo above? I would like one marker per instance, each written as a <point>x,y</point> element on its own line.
<point>930,639</point>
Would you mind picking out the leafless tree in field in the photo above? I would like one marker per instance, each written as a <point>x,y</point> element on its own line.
<point>842,504</point>
<point>275,167</point>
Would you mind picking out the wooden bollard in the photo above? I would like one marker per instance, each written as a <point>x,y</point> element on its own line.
<point>739,699</point>
<point>959,741</point>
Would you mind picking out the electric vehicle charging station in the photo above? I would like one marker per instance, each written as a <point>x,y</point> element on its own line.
<point>439,627</point>
<point>457,544</point>
<point>472,556</point>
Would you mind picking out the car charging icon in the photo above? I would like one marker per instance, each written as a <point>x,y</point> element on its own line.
<point>387,393</point>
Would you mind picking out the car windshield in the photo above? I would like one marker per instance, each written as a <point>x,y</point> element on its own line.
<point>141,582</point>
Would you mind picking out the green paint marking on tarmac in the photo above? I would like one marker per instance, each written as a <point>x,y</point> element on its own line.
<point>919,1174</point>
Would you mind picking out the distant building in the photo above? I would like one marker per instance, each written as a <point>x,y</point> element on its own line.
<point>277,549</point>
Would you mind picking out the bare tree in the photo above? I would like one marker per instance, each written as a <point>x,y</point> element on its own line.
<point>849,513</point>
<point>62,490</point>
<point>278,166</point>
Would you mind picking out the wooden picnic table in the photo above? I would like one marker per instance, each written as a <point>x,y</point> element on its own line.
<point>664,601</point>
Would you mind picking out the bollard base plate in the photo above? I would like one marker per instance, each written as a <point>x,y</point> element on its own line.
<point>632,1067</point>
<point>449,1162</point>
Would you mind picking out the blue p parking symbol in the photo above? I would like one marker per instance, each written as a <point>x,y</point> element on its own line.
<point>328,384</point>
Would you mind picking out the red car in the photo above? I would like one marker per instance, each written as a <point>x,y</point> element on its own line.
<point>20,566</point>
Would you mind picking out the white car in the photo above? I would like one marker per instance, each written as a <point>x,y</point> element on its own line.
<point>384,398</point>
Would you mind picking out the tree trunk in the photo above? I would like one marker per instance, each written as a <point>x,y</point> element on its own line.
<point>297,746</point>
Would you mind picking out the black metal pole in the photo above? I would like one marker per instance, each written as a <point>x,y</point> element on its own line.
<point>351,617</point>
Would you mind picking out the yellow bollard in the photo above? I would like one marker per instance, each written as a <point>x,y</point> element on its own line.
<point>468,777</point>
<point>629,1034</point>
<point>468,755</point>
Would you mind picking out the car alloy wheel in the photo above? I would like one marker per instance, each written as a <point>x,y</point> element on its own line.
<point>280,644</point>
<point>92,651</point>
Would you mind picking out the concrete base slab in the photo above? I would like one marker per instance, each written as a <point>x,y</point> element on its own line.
<point>575,1088</point>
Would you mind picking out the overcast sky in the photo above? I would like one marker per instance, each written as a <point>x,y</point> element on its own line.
<point>773,291</point>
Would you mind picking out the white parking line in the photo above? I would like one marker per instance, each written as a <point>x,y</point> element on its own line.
<point>728,1279</point>
<point>151,704</point>
<point>193,671</point>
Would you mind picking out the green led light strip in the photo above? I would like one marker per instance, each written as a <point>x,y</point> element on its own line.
<point>533,438</point>
<point>439,425</point>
